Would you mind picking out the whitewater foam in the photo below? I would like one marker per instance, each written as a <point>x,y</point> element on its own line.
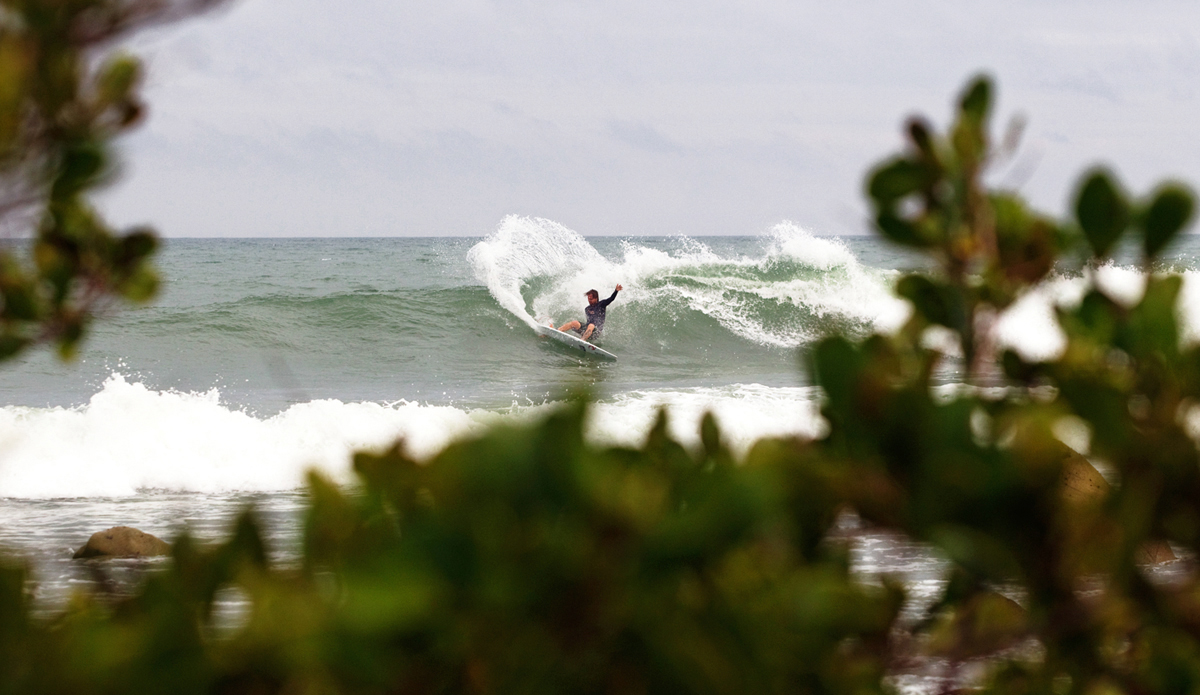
<point>745,412</point>
<point>129,438</point>
<point>1031,328</point>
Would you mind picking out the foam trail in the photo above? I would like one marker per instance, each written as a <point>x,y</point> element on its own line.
<point>130,438</point>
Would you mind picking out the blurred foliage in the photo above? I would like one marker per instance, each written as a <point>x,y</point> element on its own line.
<point>981,473</point>
<point>524,561</point>
<point>528,560</point>
<point>65,94</point>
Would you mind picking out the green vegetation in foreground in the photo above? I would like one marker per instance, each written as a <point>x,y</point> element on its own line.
<point>64,98</point>
<point>530,561</point>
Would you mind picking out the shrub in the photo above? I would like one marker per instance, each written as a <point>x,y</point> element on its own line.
<point>529,560</point>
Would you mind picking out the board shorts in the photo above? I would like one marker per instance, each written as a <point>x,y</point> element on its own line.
<point>583,329</point>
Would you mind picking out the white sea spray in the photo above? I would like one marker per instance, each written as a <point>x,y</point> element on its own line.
<point>129,438</point>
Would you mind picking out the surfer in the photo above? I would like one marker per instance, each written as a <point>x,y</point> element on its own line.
<point>594,315</point>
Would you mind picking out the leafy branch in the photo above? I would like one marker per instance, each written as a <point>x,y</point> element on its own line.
<point>65,95</point>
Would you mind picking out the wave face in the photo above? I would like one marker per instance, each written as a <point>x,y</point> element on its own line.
<point>796,288</point>
<point>273,323</point>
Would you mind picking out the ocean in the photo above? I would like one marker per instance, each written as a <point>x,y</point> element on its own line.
<point>264,358</point>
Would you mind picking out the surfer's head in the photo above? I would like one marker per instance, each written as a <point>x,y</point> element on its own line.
<point>593,296</point>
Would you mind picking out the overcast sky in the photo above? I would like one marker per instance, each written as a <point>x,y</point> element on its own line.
<point>377,118</point>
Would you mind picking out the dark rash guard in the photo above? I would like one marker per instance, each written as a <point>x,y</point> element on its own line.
<point>595,314</point>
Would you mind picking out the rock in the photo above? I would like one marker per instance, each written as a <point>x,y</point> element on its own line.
<point>122,541</point>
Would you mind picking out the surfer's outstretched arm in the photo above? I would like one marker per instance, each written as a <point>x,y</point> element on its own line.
<point>608,301</point>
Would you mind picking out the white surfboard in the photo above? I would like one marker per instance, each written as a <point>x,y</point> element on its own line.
<point>574,342</point>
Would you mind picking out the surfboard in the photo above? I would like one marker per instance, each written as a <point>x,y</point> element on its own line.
<point>574,342</point>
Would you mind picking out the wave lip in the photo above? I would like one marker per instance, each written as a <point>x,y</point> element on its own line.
<point>524,248</point>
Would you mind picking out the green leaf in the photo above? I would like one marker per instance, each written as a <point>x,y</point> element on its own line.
<point>900,231</point>
<point>11,345</point>
<point>20,303</point>
<point>1152,324</point>
<point>977,99</point>
<point>969,133</point>
<point>69,337</point>
<point>83,165</point>
<point>1018,370</point>
<point>977,551</point>
<point>1102,212</point>
<point>1095,318</point>
<point>118,78</point>
<point>835,363</point>
<point>1167,215</point>
<point>939,304</point>
<point>918,132</point>
<point>139,286</point>
<point>710,434</point>
<point>247,543</point>
<point>896,179</point>
<point>135,246</point>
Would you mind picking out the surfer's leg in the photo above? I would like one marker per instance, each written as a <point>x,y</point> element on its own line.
<point>588,333</point>
<point>570,326</point>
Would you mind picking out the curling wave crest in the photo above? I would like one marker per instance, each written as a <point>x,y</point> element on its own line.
<point>798,288</point>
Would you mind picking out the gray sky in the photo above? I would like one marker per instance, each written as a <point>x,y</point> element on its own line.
<point>376,118</point>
